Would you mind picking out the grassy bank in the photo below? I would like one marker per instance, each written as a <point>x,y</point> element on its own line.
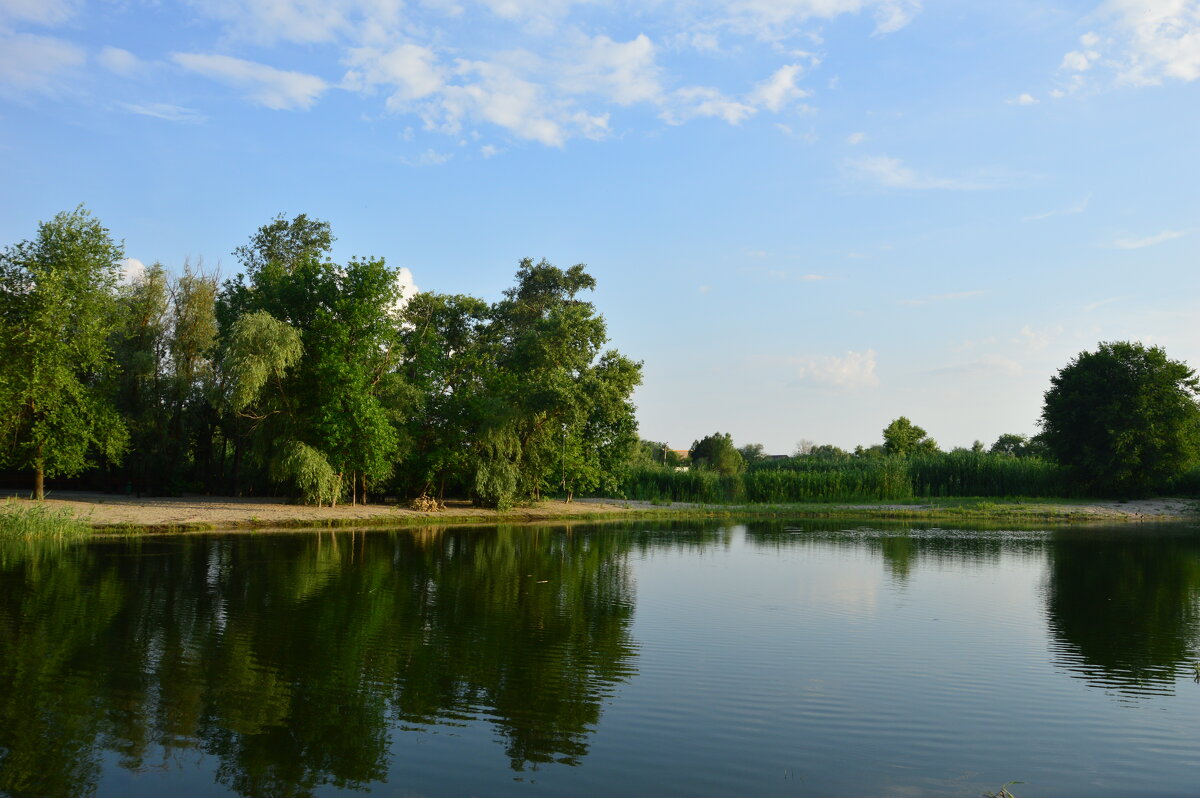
<point>30,521</point>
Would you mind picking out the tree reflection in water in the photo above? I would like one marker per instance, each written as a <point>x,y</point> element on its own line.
<point>291,659</point>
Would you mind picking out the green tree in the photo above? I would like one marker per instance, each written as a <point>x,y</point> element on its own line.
<point>716,452</point>
<point>1124,418</point>
<point>752,453</point>
<point>1016,445</point>
<point>903,438</point>
<point>330,399</point>
<point>58,310</point>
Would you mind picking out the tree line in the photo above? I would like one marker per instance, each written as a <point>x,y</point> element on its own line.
<point>301,376</point>
<point>1121,421</point>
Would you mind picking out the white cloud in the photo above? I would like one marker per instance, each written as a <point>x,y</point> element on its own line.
<point>496,93</point>
<point>1023,99</point>
<point>122,62</point>
<point>705,101</point>
<point>928,300</point>
<point>267,86</point>
<point>306,21</point>
<point>855,370</point>
<point>779,19</point>
<point>487,151</point>
<point>854,139</point>
<point>132,270</point>
<point>892,173</point>
<point>624,72</point>
<point>430,157</point>
<point>1149,241</point>
<point>1078,207</point>
<point>1161,38</point>
<point>413,72</point>
<point>1079,60</point>
<point>1036,340</point>
<point>778,90</point>
<point>41,12</point>
<point>171,113</point>
<point>30,63</point>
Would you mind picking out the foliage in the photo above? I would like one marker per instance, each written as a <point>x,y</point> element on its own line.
<point>57,311</point>
<point>1123,419</point>
<point>23,521</point>
<point>308,471</point>
<point>811,479</point>
<point>1015,445</point>
<point>903,438</point>
<point>716,453</point>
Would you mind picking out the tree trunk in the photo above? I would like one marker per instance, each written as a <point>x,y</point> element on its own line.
<point>39,475</point>
<point>364,488</point>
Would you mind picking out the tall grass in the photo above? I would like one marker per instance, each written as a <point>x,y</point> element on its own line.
<point>806,479</point>
<point>30,521</point>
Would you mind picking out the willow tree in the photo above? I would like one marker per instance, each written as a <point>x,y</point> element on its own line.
<point>58,309</point>
<point>346,316</point>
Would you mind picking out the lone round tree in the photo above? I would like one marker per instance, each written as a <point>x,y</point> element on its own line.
<point>1124,418</point>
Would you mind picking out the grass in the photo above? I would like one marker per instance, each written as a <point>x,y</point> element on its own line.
<point>21,520</point>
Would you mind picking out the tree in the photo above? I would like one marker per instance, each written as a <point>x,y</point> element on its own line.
<point>58,309</point>
<point>1016,445</point>
<point>1124,418</point>
<point>903,438</point>
<point>716,452</point>
<point>329,399</point>
<point>752,453</point>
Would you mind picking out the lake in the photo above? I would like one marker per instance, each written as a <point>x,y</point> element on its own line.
<point>807,658</point>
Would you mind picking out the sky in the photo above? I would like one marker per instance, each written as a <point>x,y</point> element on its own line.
<point>805,217</point>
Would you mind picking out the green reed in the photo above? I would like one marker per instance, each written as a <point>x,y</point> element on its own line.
<point>29,520</point>
<point>805,480</point>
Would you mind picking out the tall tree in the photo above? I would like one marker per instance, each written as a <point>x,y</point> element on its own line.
<point>58,310</point>
<point>717,452</point>
<point>347,319</point>
<point>902,437</point>
<point>1123,418</point>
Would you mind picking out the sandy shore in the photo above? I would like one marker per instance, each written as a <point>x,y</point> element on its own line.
<point>205,512</point>
<point>182,512</point>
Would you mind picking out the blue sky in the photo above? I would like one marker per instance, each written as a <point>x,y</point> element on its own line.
<point>806,217</point>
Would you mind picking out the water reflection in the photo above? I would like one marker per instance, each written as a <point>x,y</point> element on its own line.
<point>1124,606</point>
<point>291,658</point>
<point>295,661</point>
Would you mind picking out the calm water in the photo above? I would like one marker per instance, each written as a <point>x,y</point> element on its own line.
<point>653,659</point>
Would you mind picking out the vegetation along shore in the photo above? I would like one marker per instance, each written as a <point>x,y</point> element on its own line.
<point>313,393</point>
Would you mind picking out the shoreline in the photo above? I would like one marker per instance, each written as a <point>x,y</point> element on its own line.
<point>124,515</point>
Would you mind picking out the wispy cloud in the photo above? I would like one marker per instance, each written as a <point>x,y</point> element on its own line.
<point>170,113</point>
<point>264,85</point>
<point>892,173</point>
<point>988,364</point>
<point>37,64</point>
<point>1078,207</point>
<point>1149,241</point>
<point>1023,99</point>
<point>929,300</point>
<point>1088,308</point>
<point>430,157</point>
<point>854,370</point>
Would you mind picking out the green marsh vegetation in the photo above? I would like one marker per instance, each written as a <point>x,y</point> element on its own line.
<point>20,521</point>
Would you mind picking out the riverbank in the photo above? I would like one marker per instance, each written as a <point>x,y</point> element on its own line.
<point>126,514</point>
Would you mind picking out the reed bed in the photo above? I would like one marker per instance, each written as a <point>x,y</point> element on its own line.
<point>29,521</point>
<point>811,480</point>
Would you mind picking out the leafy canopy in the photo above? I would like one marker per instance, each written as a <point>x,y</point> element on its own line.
<point>1123,418</point>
